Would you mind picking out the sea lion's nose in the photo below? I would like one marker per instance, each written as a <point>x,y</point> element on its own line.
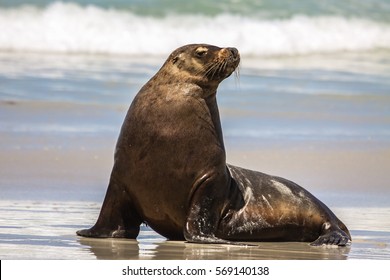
<point>233,52</point>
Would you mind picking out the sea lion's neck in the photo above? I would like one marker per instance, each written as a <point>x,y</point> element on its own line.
<point>207,91</point>
<point>211,102</point>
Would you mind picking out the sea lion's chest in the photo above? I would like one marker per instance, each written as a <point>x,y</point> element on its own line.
<point>167,142</point>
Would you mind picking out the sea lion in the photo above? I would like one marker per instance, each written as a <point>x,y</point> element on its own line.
<point>170,168</point>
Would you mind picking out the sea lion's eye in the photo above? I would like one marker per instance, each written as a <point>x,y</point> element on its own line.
<point>201,52</point>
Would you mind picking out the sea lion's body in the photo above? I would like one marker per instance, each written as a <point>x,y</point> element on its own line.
<point>170,168</point>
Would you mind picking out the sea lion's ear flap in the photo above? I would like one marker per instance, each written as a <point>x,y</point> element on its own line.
<point>175,59</point>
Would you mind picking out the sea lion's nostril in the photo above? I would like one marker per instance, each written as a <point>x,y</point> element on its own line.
<point>234,52</point>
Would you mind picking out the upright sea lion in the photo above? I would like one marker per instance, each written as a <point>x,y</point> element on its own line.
<point>170,168</point>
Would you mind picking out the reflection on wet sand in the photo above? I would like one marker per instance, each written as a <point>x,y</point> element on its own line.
<point>47,230</point>
<point>154,248</point>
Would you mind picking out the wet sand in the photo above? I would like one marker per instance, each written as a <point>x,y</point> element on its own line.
<point>46,230</point>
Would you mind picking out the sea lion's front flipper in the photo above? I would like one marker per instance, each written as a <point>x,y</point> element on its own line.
<point>118,218</point>
<point>205,208</point>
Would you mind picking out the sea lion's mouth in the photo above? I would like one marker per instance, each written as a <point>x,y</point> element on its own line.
<point>227,61</point>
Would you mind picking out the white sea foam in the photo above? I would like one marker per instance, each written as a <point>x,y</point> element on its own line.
<point>69,28</point>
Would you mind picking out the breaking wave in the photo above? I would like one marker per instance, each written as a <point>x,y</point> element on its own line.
<point>71,28</point>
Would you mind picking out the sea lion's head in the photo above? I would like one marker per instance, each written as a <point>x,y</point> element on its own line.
<point>203,64</point>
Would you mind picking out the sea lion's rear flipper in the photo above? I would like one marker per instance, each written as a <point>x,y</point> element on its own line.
<point>118,218</point>
<point>333,235</point>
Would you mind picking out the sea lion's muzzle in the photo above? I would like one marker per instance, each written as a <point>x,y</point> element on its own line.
<point>234,54</point>
<point>229,54</point>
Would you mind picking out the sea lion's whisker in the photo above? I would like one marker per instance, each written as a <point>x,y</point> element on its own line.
<point>210,69</point>
<point>225,65</point>
<point>215,70</point>
<point>237,74</point>
<point>221,67</point>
